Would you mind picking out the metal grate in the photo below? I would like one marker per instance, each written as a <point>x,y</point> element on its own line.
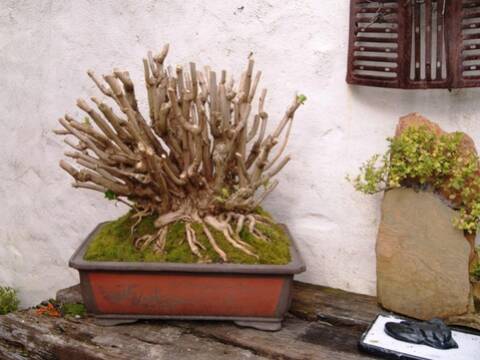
<point>427,41</point>
<point>415,44</point>
<point>375,42</point>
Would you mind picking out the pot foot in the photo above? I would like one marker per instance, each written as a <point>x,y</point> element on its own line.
<point>114,322</point>
<point>260,325</point>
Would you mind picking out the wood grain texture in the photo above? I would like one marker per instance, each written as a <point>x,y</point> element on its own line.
<point>324,324</point>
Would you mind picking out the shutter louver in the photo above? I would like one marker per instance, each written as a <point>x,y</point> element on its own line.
<point>374,43</point>
<point>414,44</point>
<point>470,45</point>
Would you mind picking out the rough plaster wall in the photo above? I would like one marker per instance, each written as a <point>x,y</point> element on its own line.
<point>46,46</point>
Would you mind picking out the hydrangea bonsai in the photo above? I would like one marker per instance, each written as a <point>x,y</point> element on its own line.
<point>202,156</point>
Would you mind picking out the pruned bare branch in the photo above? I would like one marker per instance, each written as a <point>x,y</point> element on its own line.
<point>192,161</point>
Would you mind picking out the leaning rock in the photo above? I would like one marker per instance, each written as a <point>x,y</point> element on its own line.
<point>467,146</point>
<point>71,295</point>
<point>466,149</point>
<point>422,260</point>
<point>417,120</point>
<point>468,320</point>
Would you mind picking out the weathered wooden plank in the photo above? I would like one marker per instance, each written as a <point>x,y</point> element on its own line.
<point>326,324</point>
<point>45,338</point>
<point>11,352</point>
<point>297,340</point>
<point>337,307</point>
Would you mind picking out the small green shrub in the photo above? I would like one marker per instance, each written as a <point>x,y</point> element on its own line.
<point>73,310</point>
<point>8,300</point>
<point>420,157</point>
<point>476,272</point>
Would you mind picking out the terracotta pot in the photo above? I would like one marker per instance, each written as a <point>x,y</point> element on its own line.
<point>251,295</point>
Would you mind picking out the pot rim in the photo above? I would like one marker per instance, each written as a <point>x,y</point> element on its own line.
<point>295,266</point>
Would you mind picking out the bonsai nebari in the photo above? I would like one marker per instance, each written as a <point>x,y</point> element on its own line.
<point>203,155</point>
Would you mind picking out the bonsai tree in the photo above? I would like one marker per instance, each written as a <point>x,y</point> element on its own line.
<point>201,156</point>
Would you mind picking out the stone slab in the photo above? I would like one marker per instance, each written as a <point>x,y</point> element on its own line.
<point>422,260</point>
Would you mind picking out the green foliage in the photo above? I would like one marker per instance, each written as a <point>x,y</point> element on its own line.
<point>371,176</point>
<point>8,300</point>
<point>225,193</point>
<point>73,310</point>
<point>476,272</point>
<point>301,99</point>
<point>114,243</point>
<point>110,195</point>
<point>419,156</point>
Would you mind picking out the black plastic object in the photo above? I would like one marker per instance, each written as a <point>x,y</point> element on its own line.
<point>433,333</point>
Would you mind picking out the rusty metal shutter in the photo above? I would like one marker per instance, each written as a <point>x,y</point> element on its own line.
<point>414,44</point>
<point>469,44</point>
<point>375,46</point>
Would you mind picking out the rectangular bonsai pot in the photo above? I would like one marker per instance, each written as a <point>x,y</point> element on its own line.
<point>251,295</point>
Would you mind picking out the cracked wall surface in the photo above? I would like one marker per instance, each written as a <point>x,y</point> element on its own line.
<point>46,47</point>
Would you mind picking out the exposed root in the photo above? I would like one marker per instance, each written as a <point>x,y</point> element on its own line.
<point>230,235</point>
<point>192,240</point>
<point>139,215</point>
<point>145,239</point>
<point>237,238</point>
<point>240,222</point>
<point>214,244</point>
<point>263,219</point>
<point>229,224</point>
<point>258,234</point>
<point>159,238</point>
<point>161,241</point>
<point>251,223</point>
<point>170,218</point>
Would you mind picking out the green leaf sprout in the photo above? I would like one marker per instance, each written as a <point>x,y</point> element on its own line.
<point>110,195</point>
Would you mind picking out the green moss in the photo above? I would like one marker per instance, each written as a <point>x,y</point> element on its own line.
<point>8,300</point>
<point>73,310</point>
<point>261,211</point>
<point>114,243</point>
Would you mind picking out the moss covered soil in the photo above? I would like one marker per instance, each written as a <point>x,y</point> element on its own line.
<point>114,242</point>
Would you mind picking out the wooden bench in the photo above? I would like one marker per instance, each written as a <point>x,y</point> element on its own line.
<point>323,323</point>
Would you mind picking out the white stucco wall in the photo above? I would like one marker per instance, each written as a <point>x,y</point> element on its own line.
<point>46,47</point>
